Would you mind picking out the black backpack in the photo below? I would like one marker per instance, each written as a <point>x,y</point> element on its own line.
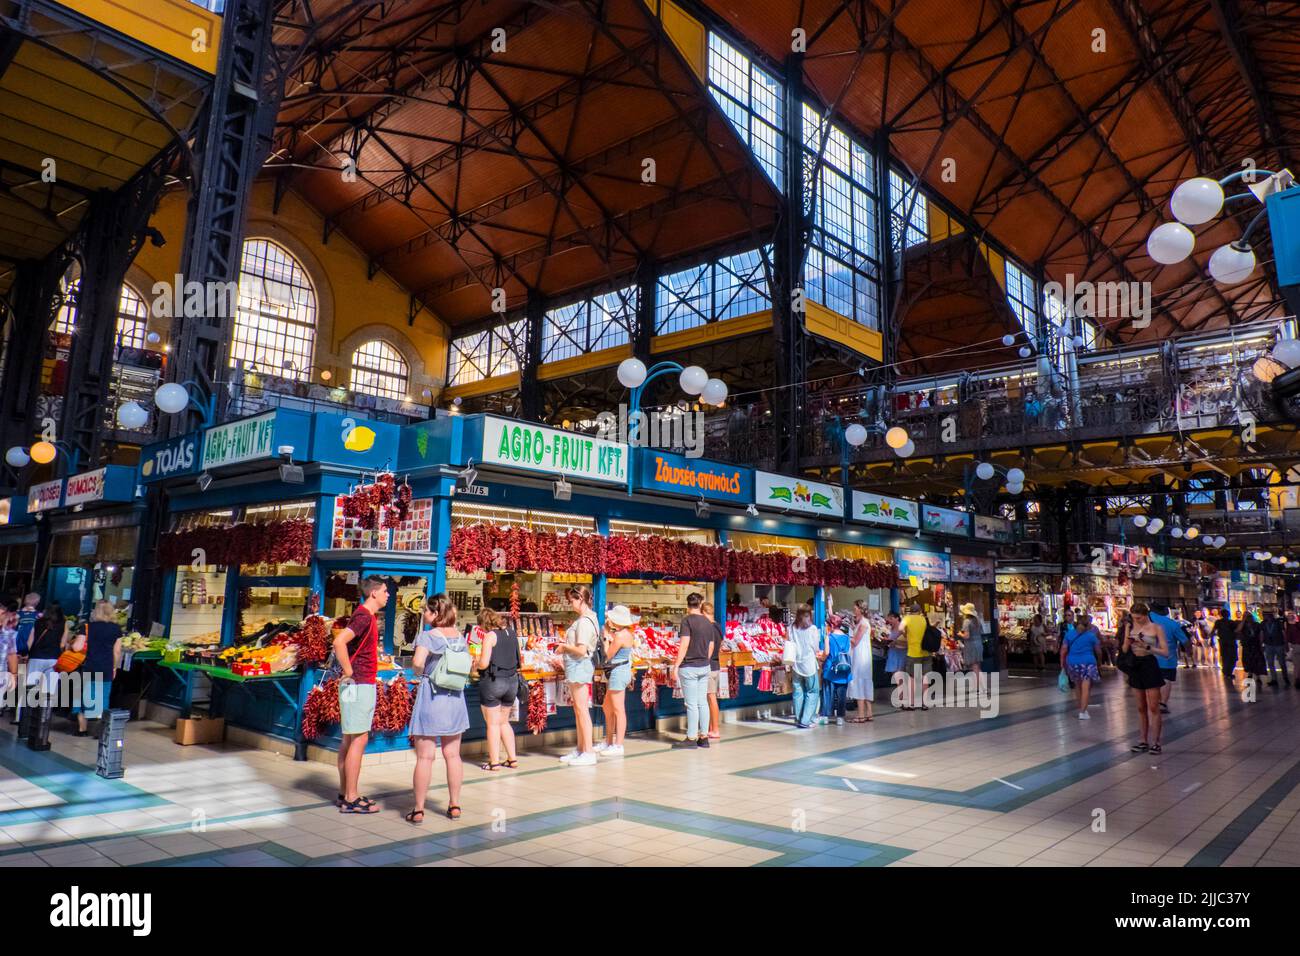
<point>931,640</point>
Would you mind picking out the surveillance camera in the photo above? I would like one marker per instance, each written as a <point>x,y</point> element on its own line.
<point>286,451</point>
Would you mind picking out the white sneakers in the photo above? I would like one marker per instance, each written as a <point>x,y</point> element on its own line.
<point>1084,715</point>
<point>575,759</point>
<point>839,721</point>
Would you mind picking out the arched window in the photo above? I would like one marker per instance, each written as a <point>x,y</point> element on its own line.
<point>132,320</point>
<point>65,320</point>
<point>275,325</point>
<point>132,314</point>
<point>379,369</point>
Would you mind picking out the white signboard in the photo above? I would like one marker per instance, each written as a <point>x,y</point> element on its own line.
<point>241,441</point>
<point>47,495</point>
<point>782,493</point>
<point>882,509</point>
<point>85,487</point>
<point>552,451</point>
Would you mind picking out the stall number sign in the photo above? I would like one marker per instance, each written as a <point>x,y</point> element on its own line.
<point>519,445</point>
<point>239,441</point>
<point>84,488</point>
<point>44,496</point>
<point>797,494</point>
<point>882,509</point>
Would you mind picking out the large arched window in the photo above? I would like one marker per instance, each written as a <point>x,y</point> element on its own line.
<point>379,369</point>
<point>275,325</point>
<point>132,314</point>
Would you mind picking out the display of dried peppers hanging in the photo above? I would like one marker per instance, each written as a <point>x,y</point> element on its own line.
<point>536,707</point>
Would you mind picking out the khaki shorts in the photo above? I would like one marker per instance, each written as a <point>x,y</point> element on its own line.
<point>713,683</point>
<point>914,662</point>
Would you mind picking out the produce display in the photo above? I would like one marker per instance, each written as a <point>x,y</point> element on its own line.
<point>394,701</point>
<point>764,639</point>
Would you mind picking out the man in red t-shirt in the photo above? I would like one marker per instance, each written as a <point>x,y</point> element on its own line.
<point>356,648</point>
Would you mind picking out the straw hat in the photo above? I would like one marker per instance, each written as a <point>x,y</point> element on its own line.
<point>620,616</point>
<point>969,608</point>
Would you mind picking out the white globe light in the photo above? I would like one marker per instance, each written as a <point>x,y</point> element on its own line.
<point>1220,541</point>
<point>1231,265</point>
<point>1287,351</point>
<point>1193,533</point>
<point>1197,200</point>
<point>1078,341</point>
<point>984,471</point>
<point>1015,489</point>
<point>172,398</point>
<point>1025,351</point>
<point>131,415</point>
<point>1176,531</point>
<point>1015,476</point>
<point>153,338</point>
<point>1268,555</point>
<point>1140,521</point>
<point>631,372</point>
<point>907,450</point>
<point>17,458</point>
<point>1155,524</point>
<point>855,435</point>
<point>715,392</point>
<point>1008,340</point>
<point>1170,242</point>
<point>896,437</point>
<point>693,379</point>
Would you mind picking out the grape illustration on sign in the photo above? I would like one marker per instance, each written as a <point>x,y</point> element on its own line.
<point>884,510</point>
<point>778,491</point>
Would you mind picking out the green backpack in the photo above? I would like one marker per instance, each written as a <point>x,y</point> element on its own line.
<point>453,668</point>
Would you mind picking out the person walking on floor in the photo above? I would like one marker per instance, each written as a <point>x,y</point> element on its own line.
<point>696,636</point>
<point>102,644</point>
<point>918,659</point>
<point>808,641</point>
<point>439,716</point>
<point>1146,640</point>
<point>1038,642</point>
<point>8,654</point>
<point>862,686</point>
<point>1252,648</point>
<point>972,636</point>
<point>1273,637</point>
<point>618,638</point>
<point>28,615</point>
<point>715,675</point>
<point>1293,643</point>
<point>47,643</point>
<point>837,671</point>
<point>896,655</point>
<point>577,649</point>
<point>1177,638</point>
<point>1081,660</point>
<point>356,649</point>
<point>1225,634</point>
<point>500,659</point>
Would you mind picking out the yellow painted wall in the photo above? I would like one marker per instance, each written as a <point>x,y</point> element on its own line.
<point>829,324</point>
<point>686,32</point>
<point>178,28</point>
<point>711,332</point>
<point>351,307</point>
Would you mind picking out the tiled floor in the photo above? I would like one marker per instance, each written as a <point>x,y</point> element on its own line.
<point>1032,786</point>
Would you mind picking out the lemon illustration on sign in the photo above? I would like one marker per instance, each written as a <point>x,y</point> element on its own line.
<point>147,468</point>
<point>360,438</point>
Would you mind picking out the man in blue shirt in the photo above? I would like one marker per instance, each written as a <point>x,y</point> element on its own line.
<point>1176,637</point>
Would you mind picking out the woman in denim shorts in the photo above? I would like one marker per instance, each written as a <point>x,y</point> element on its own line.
<point>618,638</point>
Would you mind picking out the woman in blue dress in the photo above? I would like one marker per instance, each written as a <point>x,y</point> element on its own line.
<point>439,716</point>
<point>896,658</point>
